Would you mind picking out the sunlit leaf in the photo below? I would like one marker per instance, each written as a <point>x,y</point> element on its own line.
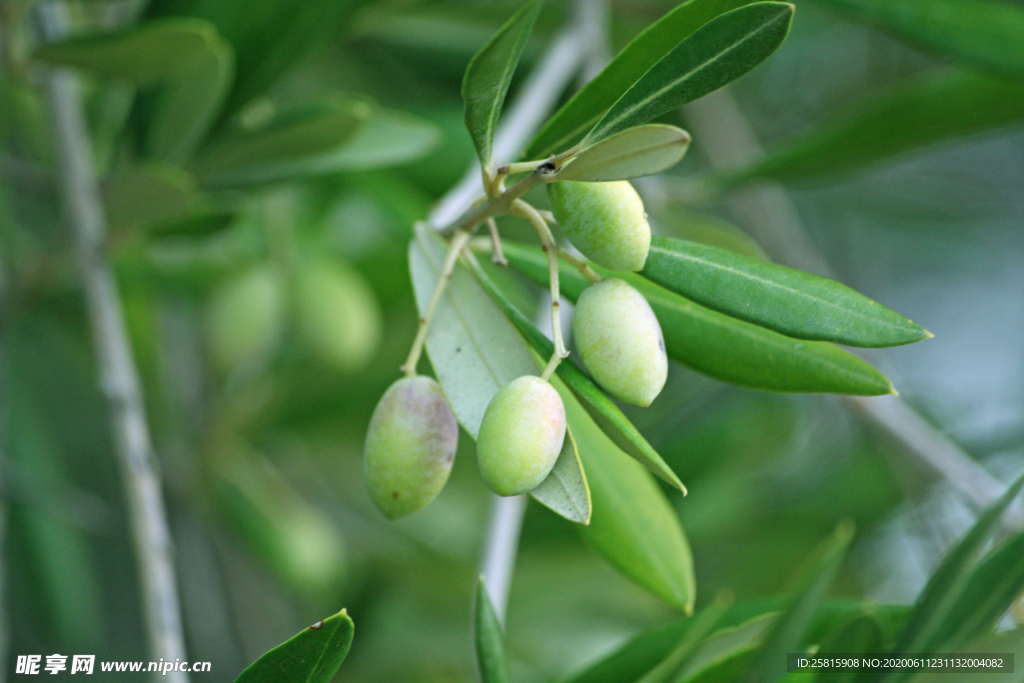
<point>489,75</point>
<point>565,491</point>
<point>708,229</point>
<point>313,655</point>
<point>634,152</point>
<point>719,52</point>
<point>581,112</point>
<point>983,32</point>
<point>790,301</point>
<point>490,650</point>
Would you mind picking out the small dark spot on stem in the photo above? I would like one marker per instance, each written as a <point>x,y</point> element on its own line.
<point>547,168</point>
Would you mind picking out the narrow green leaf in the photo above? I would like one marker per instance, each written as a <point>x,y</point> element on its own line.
<point>726,348</point>
<point>723,655</point>
<point>986,33</point>
<point>388,138</point>
<point>786,633</point>
<point>146,194</point>
<point>667,670</point>
<point>581,112</point>
<point>489,75</point>
<point>938,105</point>
<point>710,230</point>
<point>565,491</point>
<point>313,655</point>
<point>991,589</point>
<point>862,634</point>
<point>193,226</point>
<point>188,104</point>
<point>632,153</point>
<point>605,412</point>
<point>490,650</point>
<point>282,148</point>
<point>144,55</point>
<point>940,595</point>
<point>632,525</point>
<point>719,52</point>
<point>790,301</point>
<point>473,347</point>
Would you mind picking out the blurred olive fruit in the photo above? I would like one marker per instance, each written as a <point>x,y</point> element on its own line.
<point>620,341</point>
<point>245,317</point>
<point>337,315</point>
<point>606,221</point>
<point>410,446</point>
<point>521,436</point>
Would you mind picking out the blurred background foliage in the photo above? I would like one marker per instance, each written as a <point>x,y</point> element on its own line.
<point>269,307</point>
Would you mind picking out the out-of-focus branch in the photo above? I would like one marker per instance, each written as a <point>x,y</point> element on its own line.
<point>118,373</point>
<point>532,104</point>
<point>726,137</point>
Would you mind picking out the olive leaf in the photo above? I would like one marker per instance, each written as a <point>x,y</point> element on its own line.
<point>475,351</point>
<point>940,595</point>
<point>786,632</point>
<point>986,33</point>
<point>581,112</point>
<point>938,105</point>
<point>790,301</point>
<point>727,348</point>
<point>313,655</point>
<point>719,52</point>
<point>633,525</point>
<point>710,230</point>
<point>148,193</point>
<point>490,650</point>
<point>703,624</point>
<point>565,491</point>
<point>634,152</point>
<point>602,409</point>
<point>489,75</point>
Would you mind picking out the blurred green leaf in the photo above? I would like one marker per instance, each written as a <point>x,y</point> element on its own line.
<point>704,622</point>
<point>565,491</point>
<point>634,152</point>
<point>786,632</point>
<point>313,655</point>
<point>992,587</point>
<point>723,655</point>
<point>790,301</point>
<point>728,349</point>
<point>941,594</point>
<point>583,109</point>
<point>710,230</point>
<point>290,145</point>
<point>388,138</point>
<point>147,194</point>
<point>197,225</point>
<point>982,32</point>
<point>489,75</point>
<point>187,106</point>
<point>632,525</point>
<point>926,109</point>
<point>1008,642</point>
<point>490,650</point>
<point>719,52</point>
<point>605,412</point>
<point>144,54</point>
<point>862,634</point>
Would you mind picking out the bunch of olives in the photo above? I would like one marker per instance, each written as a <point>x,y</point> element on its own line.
<point>412,437</point>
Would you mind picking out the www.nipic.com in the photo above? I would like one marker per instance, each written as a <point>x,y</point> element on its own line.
<point>32,665</point>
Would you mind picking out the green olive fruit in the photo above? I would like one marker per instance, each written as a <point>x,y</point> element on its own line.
<point>245,317</point>
<point>337,315</point>
<point>521,436</point>
<point>606,221</point>
<point>410,446</point>
<point>620,342</point>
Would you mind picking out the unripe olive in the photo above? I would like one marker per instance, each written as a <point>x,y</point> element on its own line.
<point>338,315</point>
<point>619,340</point>
<point>245,317</point>
<point>410,446</point>
<point>521,436</point>
<point>606,221</point>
